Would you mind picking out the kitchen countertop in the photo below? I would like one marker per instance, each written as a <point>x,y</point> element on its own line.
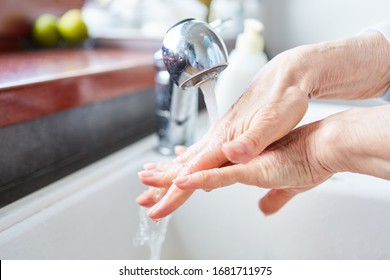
<point>62,109</point>
<point>36,83</point>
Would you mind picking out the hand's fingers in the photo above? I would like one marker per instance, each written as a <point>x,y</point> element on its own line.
<point>214,178</point>
<point>245,147</point>
<point>151,197</point>
<point>172,200</point>
<point>160,166</point>
<point>184,156</point>
<point>155,166</point>
<point>205,159</point>
<point>193,158</point>
<point>180,149</point>
<point>175,197</point>
<point>275,199</point>
<point>151,172</point>
<point>156,175</point>
<point>156,179</point>
<point>154,195</point>
<point>212,157</point>
<point>160,175</point>
<point>252,142</point>
<point>267,126</point>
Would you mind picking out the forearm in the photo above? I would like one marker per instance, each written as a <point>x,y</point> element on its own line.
<point>358,141</point>
<point>353,68</point>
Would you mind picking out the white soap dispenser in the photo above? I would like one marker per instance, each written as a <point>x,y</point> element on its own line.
<point>245,61</point>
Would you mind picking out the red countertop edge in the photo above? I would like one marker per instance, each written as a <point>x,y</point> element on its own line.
<point>38,83</point>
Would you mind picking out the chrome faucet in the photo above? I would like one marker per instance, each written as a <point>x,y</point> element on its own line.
<point>176,110</point>
<point>192,53</point>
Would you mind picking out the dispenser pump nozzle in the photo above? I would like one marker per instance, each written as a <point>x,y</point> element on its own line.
<point>250,40</point>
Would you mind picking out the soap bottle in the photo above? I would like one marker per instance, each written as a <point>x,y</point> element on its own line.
<point>244,62</point>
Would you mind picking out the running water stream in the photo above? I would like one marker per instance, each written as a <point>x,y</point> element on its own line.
<point>152,233</point>
<point>208,90</point>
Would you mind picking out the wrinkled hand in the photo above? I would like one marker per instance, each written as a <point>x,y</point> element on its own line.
<point>289,166</point>
<point>237,137</point>
<point>271,107</point>
<point>308,156</point>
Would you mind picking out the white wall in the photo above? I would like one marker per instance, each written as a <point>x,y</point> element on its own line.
<point>290,23</point>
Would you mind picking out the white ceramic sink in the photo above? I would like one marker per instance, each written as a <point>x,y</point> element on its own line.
<point>91,214</point>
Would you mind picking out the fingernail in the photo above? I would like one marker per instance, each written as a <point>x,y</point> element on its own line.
<point>154,210</point>
<point>146,174</point>
<point>143,194</point>
<point>150,165</point>
<point>180,180</point>
<point>180,149</point>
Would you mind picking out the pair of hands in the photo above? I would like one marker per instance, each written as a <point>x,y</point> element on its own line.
<point>255,144</point>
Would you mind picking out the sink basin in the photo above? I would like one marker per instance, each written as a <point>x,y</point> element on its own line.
<point>91,214</point>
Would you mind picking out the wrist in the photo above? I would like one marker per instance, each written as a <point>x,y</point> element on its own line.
<point>356,141</point>
<point>352,68</point>
<point>329,147</point>
<point>293,69</point>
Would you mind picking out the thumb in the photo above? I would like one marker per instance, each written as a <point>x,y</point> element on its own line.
<point>266,126</point>
<point>245,147</point>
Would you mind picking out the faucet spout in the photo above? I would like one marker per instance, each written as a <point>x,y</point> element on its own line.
<point>193,53</point>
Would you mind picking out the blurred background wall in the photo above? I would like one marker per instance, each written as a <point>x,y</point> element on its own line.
<point>289,23</point>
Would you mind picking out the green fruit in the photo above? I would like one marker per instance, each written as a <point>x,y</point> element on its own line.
<point>72,27</point>
<point>45,32</point>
